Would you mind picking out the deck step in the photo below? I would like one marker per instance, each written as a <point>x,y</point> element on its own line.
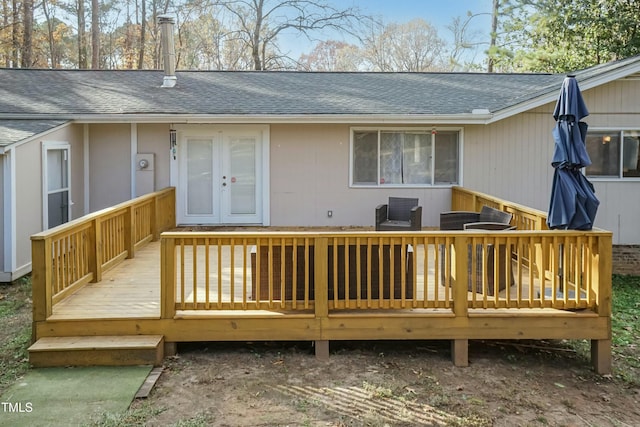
<point>97,351</point>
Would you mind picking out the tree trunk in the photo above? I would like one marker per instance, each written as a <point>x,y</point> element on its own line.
<point>52,45</point>
<point>494,34</point>
<point>255,48</point>
<point>27,40</point>
<point>82,37</point>
<point>15,35</point>
<point>143,32</point>
<point>95,34</point>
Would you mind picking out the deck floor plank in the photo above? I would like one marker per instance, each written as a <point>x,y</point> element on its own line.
<point>131,290</point>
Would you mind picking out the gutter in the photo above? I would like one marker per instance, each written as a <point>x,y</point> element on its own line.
<point>484,117</point>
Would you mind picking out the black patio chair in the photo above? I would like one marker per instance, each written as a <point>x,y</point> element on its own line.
<point>400,214</point>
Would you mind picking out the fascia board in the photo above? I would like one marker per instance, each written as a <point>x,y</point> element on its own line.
<point>9,147</point>
<point>585,84</point>
<point>273,118</point>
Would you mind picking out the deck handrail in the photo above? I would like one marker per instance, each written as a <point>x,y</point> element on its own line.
<point>201,271</point>
<point>66,257</point>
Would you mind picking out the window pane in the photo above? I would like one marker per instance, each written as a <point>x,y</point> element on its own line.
<point>365,158</point>
<point>417,158</point>
<point>604,151</point>
<point>391,157</point>
<point>630,154</point>
<point>446,158</point>
<point>58,206</point>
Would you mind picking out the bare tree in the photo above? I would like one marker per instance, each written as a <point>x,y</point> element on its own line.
<point>143,34</point>
<point>95,34</point>
<point>332,55</point>
<point>260,22</point>
<point>413,46</point>
<point>82,37</point>
<point>27,32</point>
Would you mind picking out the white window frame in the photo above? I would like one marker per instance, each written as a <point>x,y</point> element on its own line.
<point>46,147</point>
<point>620,177</point>
<point>432,130</point>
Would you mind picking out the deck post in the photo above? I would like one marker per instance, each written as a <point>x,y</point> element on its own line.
<point>601,349</point>
<point>130,231</point>
<point>95,249</point>
<point>155,228</point>
<point>601,356</point>
<point>460,347</point>
<point>321,291</point>
<point>41,282</point>
<point>167,278</point>
<point>460,353</point>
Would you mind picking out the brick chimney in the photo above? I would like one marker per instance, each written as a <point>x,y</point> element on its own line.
<point>168,50</point>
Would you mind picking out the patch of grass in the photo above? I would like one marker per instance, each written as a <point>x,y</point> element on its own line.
<point>134,417</point>
<point>377,392</point>
<point>625,330</point>
<point>625,326</point>
<point>15,315</point>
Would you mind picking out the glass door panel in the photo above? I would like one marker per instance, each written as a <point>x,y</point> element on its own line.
<point>201,175</point>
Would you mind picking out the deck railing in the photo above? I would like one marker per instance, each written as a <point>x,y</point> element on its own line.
<point>71,255</point>
<point>454,270</point>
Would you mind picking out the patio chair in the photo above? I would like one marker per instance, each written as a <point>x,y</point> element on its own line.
<point>456,220</point>
<point>400,214</point>
<point>489,219</point>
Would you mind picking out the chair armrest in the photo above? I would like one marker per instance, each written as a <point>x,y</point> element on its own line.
<point>487,225</point>
<point>416,218</point>
<point>381,214</point>
<point>455,220</point>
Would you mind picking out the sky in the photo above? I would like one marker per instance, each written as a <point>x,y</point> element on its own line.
<point>438,13</point>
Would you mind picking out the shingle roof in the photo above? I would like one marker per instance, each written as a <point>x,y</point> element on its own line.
<point>17,130</point>
<point>69,94</point>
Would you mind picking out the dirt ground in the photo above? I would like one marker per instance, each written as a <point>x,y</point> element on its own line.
<point>387,384</point>
<point>511,383</point>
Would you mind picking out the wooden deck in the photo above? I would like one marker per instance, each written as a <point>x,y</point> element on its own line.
<point>131,290</point>
<point>114,274</point>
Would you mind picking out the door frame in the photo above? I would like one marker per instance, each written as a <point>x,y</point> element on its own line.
<point>182,132</point>
<point>46,147</point>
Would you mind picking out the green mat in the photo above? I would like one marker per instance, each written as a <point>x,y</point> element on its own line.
<point>70,396</point>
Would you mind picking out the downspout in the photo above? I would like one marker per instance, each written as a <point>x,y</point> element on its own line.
<point>168,50</point>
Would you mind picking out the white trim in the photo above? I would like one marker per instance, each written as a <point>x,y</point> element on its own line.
<point>33,137</point>
<point>46,146</point>
<point>134,151</point>
<point>10,276</point>
<point>619,130</point>
<point>426,130</point>
<point>9,209</point>
<point>204,130</point>
<point>86,169</point>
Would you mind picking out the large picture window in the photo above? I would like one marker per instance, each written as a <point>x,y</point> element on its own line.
<point>387,157</point>
<point>614,154</point>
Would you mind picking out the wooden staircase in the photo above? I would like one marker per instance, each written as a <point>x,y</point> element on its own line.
<point>97,351</point>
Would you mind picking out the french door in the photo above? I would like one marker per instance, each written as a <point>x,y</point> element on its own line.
<point>220,172</point>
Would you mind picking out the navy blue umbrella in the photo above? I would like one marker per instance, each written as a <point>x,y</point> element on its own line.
<point>573,203</point>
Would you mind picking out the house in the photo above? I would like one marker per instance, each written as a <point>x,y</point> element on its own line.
<point>299,148</point>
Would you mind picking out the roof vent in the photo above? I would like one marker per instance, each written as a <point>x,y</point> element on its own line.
<point>480,111</point>
<point>168,50</point>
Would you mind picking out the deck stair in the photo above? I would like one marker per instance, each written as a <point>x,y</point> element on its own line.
<point>97,351</point>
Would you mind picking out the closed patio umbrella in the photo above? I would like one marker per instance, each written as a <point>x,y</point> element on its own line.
<point>573,203</point>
